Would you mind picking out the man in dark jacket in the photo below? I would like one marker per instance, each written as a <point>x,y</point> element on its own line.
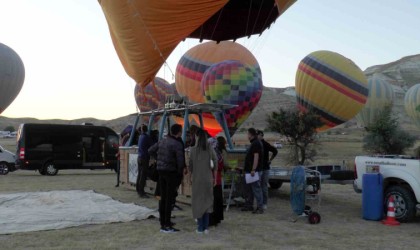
<point>253,166</point>
<point>145,142</point>
<point>267,148</point>
<point>170,165</point>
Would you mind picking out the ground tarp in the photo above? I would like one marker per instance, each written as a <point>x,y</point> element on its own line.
<point>25,212</point>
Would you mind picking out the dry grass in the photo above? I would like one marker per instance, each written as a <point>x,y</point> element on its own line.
<point>341,227</point>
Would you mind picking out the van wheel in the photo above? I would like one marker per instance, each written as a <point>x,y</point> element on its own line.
<point>42,171</point>
<point>405,203</point>
<point>4,168</point>
<point>50,169</point>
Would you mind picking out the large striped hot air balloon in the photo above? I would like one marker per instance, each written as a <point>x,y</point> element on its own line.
<point>231,82</point>
<point>381,94</point>
<point>197,60</point>
<point>12,75</point>
<point>412,103</point>
<point>145,32</point>
<point>331,85</point>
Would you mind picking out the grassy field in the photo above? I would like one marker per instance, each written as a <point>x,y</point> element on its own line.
<point>341,227</point>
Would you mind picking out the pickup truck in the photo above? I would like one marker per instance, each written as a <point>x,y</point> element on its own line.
<point>401,176</point>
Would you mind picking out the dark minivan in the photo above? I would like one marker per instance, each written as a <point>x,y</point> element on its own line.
<point>50,147</point>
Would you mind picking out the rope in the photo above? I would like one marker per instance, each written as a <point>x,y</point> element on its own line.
<point>156,47</point>
<point>217,23</point>
<point>247,21</point>
<point>258,16</point>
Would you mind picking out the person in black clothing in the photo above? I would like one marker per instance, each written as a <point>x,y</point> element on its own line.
<point>267,148</point>
<point>253,166</point>
<point>145,142</point>
<point>170,165</point>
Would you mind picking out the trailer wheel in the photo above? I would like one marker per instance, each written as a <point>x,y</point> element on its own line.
<point>50,168</point>
<point>4,168</point>
<point>405,203</point>
<point>314,218</point>
<point>274,184</point>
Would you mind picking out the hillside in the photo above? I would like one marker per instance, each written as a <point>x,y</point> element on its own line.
<point>402,74</point>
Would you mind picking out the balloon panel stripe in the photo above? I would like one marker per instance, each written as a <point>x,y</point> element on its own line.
<point>320,76</point>
<point>329,117</point>
<point>318,66</point>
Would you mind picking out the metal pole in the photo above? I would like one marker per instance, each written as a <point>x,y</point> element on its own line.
<point>200,117</point>
<point>184,129</point>
<point>162,125</point>
<point>151,118</point>
<point>130,140</point>
<point>225,128</point>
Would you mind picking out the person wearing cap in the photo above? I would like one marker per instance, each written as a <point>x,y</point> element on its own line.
<point>267,148</point>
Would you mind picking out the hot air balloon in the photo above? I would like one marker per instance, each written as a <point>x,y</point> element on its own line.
<point>331,85</point>
<point>231,82</point>
<point>381,94</point>
<point>145,33</point>
<point>197,60</point>
<point>412,103</point>
<point>12,75</point>
<point>154,95</point>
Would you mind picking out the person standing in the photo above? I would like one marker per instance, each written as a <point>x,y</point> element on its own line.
<point>217,216</point>
<point>253,166</point>
<point>145,142</point>
<point>267,148</point>
<point>170,164</point>
<point>202,180</point>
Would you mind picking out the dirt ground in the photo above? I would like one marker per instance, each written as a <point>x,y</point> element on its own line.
<point>341,225</point>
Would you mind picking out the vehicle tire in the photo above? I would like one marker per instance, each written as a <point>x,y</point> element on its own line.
<point>42,171</point>
<point>342,175</point>
<point>50,169</point>
<point>314,218</point>
<point>4,168</point>
<point>404,202</point>
<point>274,184</point>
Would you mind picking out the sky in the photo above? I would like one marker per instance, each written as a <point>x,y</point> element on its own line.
<point>72,70</point>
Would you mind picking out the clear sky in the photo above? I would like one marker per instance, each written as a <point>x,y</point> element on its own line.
<point>72,70</point>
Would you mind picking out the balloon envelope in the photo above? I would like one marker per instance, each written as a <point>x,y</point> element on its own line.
<point>332,86</point>
<point>12,76</point>
<point>145,32</point>
<point>380,95</point>
<point>197,60</point>
<point>412,103</point>
<point>231,82</point>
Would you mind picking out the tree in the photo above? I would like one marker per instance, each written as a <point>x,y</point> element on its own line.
<point>384,135</point>
<point>10,129</point>
<point>299,128</point>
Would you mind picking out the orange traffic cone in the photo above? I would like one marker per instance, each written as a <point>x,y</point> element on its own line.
<point>390,219</point>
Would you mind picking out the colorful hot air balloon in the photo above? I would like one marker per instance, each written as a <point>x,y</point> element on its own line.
<point>231,82</point>
<point>196,61</point>
<point>12,75</point>
<point>154,95</point>
<point>145,33</point>
<point>380,95</point>
<point>331,85</point>
<point>412,103</point>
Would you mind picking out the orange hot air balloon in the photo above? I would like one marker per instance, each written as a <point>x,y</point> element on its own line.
<point>197,60</point>
<point>12,75</point>
<point>145,32</point>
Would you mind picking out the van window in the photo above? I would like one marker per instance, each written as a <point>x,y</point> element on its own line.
<point>112,141</point>
<point>39,142</point>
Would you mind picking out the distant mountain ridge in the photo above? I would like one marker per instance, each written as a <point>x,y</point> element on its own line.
<point>402,74</point>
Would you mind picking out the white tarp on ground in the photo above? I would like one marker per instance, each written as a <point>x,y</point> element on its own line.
<point>24,212</point>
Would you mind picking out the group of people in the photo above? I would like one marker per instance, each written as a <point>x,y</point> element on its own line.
<point>207,162</point>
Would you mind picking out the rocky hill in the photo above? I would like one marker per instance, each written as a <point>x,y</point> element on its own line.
<point>402,74</point>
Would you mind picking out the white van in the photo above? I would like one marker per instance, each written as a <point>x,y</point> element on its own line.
<point>7,161</point>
